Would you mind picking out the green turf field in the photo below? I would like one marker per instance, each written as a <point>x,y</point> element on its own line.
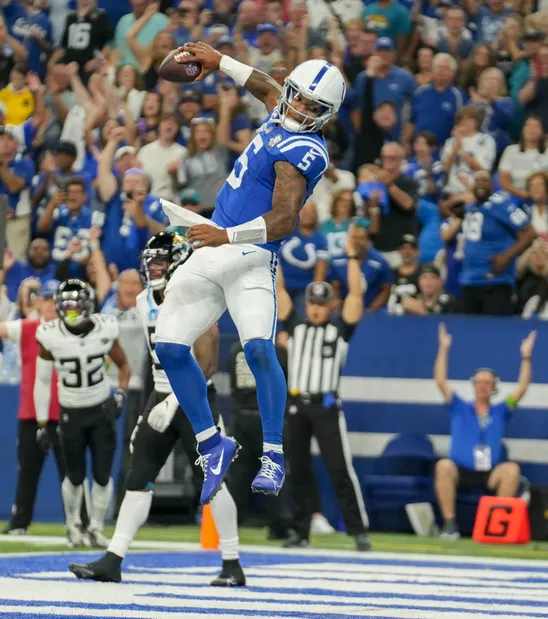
<point>382,542</point>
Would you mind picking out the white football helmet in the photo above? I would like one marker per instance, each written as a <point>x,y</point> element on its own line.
<point>318,81</point>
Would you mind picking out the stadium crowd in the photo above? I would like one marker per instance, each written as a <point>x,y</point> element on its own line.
<point>438,155</point>
<point>437,92</point>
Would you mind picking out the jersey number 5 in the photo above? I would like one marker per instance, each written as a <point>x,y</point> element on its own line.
<point>235,179</point>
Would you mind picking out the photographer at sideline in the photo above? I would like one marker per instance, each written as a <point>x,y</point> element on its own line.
<point>477,430</point>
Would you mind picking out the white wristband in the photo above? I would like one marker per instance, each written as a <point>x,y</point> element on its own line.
<point>238,71</point>
<point>253,231</point>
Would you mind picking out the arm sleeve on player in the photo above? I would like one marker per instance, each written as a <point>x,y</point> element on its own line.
<point>42,389</point>
<point>238,71</point>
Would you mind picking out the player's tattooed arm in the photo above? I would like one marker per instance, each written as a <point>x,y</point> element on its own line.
<point>264,88</point>
<point>119,358</point>
<point>206,350</point>
<point>288,198</point>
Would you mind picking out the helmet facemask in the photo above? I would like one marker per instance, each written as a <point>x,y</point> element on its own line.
<point>310,123</point>
<point>154,266</point>
<point>74,307</point>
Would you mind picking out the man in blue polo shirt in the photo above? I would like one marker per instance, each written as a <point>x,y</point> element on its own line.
<point>495,231</point>
<point>434,105</point>
<point>377,276</point>
<point>477,430</point>
<point>391,84</point>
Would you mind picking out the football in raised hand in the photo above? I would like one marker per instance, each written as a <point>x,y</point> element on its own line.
<point>172,71</point>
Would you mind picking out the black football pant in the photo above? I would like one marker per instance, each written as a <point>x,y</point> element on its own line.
<point>490,300</point>
<point>30,461</point>
<point>328,425</point>
<point>83,428</point>
<point>247,429</point>
<point>151,449</point>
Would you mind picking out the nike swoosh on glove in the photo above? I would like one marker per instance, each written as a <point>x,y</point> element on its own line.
<point>162,414</point>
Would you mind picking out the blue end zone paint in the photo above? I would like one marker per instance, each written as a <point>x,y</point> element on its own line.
<point>428,599</point>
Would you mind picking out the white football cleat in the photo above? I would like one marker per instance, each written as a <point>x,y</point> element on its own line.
<point>74,536</point>
<point>320,525</point>
<point>98,539</point>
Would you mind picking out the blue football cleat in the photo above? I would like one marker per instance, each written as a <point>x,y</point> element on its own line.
<point>216,456</point>
<point>271,476</point>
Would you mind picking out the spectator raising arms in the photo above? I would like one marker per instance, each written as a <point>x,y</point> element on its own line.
<point>477,430</point>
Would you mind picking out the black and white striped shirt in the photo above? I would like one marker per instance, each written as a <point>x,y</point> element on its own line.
<point>316,355</point>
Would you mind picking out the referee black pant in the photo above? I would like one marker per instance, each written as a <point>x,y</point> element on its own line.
<point>306,419</point>
<point>30,461</point>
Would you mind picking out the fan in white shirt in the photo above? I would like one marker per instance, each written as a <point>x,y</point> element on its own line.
<point>161,159</point>
<point>521,160</point>
<point>332,182</point>
<point>467,151</point>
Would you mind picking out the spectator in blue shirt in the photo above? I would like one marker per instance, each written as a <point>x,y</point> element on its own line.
<point>434,105</point>
<point>304,257</point>
<point>497,109</point>
<point>16,173</point>
<point>247,21</point>
<point>233,124</point>
<point>377,275</point>
<point>390,19</point>
<point>391,84</point>
<point>32,27</point>
<point>489,18</point>
<point>425,167</point>
<point>495,231</point>
<point>455,39</point>
<point>132,216</point>
<point>477,431</point>
<point>38,265</point>
<point>69,220</point>
<point>453,239</point>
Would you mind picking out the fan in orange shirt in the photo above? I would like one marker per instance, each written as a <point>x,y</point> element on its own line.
<point>17,98</point>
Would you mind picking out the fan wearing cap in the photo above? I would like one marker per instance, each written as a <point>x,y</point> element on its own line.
<point>190,107</point>
<point>390,19</point>
<point>392,83</point>
<point>318,344</point>
<point>431,298</point>
<point>33,441</point>
<point>16,173</point>
<point>132,214</point>
<point>377,276</point>
<point>477,430</point>
<point>267,48</point>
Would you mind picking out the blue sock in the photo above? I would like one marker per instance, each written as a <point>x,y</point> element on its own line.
<point>271,387</point>
<point>188,383</point>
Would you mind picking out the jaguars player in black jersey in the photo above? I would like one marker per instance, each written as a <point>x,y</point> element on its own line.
<point>162,424</point>
<point>77,344</point>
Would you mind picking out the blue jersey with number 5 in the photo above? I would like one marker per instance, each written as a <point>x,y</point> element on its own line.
<point>247,192</point>
<point>490,228</point>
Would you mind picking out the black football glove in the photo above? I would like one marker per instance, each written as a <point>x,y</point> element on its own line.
<point>42,438</point>
<point>113,407</point>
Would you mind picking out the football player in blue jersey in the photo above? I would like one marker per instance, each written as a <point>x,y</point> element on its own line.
<point>236,260</point>
<point>496,230</point>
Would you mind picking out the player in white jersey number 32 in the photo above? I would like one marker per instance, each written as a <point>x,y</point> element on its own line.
<point>235,262</point>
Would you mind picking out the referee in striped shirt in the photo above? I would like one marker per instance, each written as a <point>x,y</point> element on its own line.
<point>317,350</point>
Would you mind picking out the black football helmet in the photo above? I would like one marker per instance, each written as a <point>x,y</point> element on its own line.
<point>161,252</point>
<point>75,301</point>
